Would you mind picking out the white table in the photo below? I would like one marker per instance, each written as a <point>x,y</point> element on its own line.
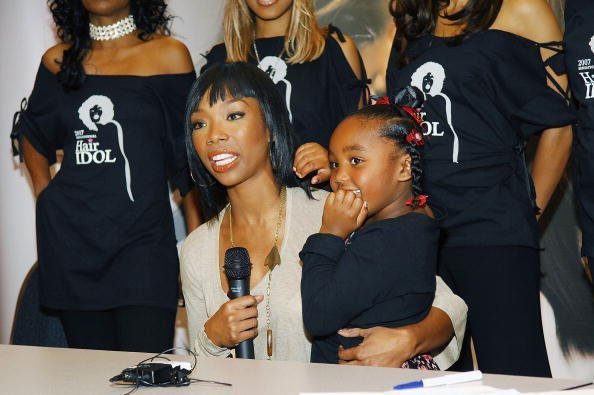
<point>38,370</point>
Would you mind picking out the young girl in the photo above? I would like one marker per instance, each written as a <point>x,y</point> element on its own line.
<point>373,260</point>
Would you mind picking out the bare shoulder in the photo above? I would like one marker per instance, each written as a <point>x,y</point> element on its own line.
<point>351,53</point>
<point>171,55</point>
<point>531,19</point>
<point>53,57</point>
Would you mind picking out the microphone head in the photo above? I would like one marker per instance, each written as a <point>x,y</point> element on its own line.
<point>237,263</point>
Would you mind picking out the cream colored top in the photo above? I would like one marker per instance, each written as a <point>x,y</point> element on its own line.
<point>203,293</point>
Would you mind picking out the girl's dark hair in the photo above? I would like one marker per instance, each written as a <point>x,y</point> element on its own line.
<point>415,18</point>
<point>72,21</point>
<point>397,124</point>
<point>239,80</point>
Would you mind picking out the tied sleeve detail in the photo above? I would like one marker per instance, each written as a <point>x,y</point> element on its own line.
<point>15,131</point>
<point>557,63</point>
<point>38,118</point>
<point>536,106</point>
<point>352,88</point>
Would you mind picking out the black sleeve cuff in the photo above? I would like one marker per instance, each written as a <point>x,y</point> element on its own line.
<point>324,244</point>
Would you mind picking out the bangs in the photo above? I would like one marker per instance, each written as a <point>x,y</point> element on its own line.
<point>223,83</point>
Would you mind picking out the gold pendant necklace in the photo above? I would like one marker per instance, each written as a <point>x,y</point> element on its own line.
<point>272,260</point>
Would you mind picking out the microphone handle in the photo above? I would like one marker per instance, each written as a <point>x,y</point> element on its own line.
<point>238,288</point>
<point>245,349</point>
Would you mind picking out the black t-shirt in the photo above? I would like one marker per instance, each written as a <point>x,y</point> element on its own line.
<point>104,227</point>
<point>579,59</point>
<point>319,94</point>
<point>384,276</point>
<point>483,98</point>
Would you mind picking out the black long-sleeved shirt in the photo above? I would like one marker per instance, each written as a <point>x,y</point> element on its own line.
<point>384,276</point>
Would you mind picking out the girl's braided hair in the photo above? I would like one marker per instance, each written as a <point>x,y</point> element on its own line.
<point>402,124</point>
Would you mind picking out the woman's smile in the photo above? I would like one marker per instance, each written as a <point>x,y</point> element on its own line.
<point>266,3</point>
<point>223,161</point>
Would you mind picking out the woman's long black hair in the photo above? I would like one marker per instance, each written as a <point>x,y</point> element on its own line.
<point>239,80</point>
<point>72,21</point>
<point>415,18</point>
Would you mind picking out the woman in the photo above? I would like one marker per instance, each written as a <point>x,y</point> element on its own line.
<point>579,39</point>
<point>317,70</point>
<point>111,96</point>
<point>240,146</point>
<point>480,65</point>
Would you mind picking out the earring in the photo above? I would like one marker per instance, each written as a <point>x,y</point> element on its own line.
<point>201,185</point>
<point>272,156</point>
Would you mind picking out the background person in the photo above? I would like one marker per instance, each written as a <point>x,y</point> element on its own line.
<point>111,96</point>
<point>481,68</point>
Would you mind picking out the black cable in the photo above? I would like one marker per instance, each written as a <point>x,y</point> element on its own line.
<point>178,376</point>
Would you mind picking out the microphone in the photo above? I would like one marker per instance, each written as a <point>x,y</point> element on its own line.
<point>237,269</point>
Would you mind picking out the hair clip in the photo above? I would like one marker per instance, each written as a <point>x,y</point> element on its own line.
<point>415,137</point>
<point>380,100</point>
<point>417,201</point>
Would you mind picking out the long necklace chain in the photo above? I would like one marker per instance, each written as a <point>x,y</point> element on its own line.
<point>119,29</point>
<point>280,55</point>
<point>272,260</point>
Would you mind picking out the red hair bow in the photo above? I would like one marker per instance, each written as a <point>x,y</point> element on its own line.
<point>417,201</point>
<point>382,100</point>
<point>414,113</point>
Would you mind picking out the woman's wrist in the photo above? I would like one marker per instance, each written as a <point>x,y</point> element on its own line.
<point>208,347</point>
<point>210,335</point>
<point>410,336</point>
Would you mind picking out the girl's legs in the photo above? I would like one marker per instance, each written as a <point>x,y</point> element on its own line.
<point>501,287</point>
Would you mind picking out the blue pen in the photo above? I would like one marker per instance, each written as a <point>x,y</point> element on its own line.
<point>455,378</point>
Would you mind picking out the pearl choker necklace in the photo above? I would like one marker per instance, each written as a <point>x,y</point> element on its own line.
<point>115,30</point>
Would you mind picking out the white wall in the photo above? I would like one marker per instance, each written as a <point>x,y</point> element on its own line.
<point>26,30</point>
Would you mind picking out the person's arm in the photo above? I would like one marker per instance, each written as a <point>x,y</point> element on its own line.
<point>535,20</point>
<point>195,303</point>
<point>336,285</point>
<point>552,154</point>
<point>312,156</point>
<point>391,347</point>
<point>351,54</point>
<point>191,210</point>
<point>42,126</point>
<point>38,167</point>
<point>441,334</point>
<point>234,321</point>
